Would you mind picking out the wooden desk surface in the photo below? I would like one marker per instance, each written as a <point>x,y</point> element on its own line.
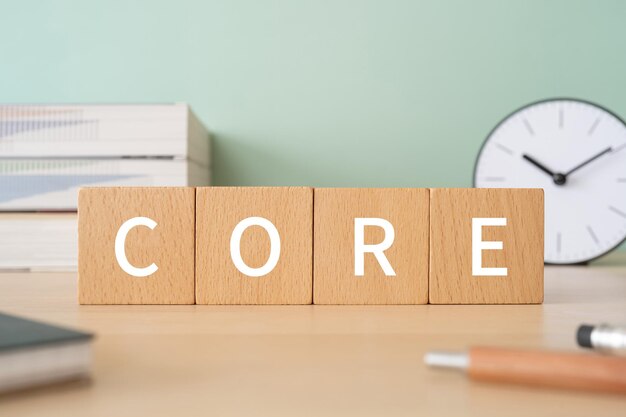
<point>310,360</point>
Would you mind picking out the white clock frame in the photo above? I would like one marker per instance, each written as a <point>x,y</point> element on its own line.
<point>585,207</point>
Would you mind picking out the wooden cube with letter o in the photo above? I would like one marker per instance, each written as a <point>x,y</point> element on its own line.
<point>136,245</point>
<point>254,245</point>
<point>371,246</point>
<point>486,246</point>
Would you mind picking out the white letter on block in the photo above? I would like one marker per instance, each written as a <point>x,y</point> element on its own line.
<point>478,245</point>
<point>360,247</point>
<point>120,251</point>
<point>235,249</point>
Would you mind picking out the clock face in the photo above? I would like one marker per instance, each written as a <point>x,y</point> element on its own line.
<point>576,152</point>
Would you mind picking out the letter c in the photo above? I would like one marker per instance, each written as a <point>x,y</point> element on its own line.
<point>120,251</point>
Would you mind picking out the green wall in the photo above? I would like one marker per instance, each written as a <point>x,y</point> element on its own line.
<point>322,93</point>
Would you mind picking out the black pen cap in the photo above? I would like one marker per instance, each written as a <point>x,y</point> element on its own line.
<point>583,335</point>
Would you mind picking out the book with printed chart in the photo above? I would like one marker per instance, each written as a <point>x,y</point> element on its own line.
<point>38,241</point>
<point>115,130</point>
<point>52,184</point>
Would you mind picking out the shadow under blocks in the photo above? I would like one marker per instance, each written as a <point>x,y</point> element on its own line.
<point>300,245</point>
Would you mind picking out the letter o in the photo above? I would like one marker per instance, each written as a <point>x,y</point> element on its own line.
<point>235,246</point>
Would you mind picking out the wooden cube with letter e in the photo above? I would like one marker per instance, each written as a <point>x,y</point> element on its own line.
<point>486,246</point>
<point>371,246</point>
<point>136,245</point>
<point>254,245</point>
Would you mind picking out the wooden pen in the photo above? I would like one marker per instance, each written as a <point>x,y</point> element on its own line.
<point>537,368</point>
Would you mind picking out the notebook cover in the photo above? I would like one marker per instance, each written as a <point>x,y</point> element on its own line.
<point>19,333</point>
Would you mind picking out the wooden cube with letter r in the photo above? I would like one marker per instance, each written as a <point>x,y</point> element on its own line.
<point>371,246</point>
<point>136,245</point>
<point>254,245</point>
<point>486,246</point>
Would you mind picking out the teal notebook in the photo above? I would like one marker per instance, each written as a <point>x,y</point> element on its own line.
<point>34,353</point>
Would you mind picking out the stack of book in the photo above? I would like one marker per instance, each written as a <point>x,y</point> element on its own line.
<point>47,152</point>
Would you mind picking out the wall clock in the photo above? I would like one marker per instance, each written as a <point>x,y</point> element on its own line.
<point>576,151</point>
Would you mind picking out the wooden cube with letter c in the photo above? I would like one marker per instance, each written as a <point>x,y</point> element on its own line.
<point>136,245</point>
<point>486,246</point>
<point>254,245</point>
<point>371,246</point>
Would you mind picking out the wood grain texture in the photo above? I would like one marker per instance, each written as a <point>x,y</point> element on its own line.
<point>163,361</point>
<point>311,360</point>
<point>219,210</point>
<point>101,212</point>
<point>334,273</point>
<point>451,279</point>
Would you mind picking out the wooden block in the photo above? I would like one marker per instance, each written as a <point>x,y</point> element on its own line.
<point>222,214</point>
<point>103,275</point>
<point>338,253</point>
<point>456,263</point>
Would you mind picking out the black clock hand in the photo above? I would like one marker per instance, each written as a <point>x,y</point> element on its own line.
<point>559,179</point>
<point>593,158</point>
<point>538,164</point>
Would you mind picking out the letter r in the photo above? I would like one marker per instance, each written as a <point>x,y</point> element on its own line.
<point>360,248</point>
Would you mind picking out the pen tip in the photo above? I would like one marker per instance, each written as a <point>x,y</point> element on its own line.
<point>457,360</point>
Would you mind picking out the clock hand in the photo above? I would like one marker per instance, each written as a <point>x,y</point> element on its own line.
<point>593,158</point>
<point>538,164</point>
<point>558,178</point>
